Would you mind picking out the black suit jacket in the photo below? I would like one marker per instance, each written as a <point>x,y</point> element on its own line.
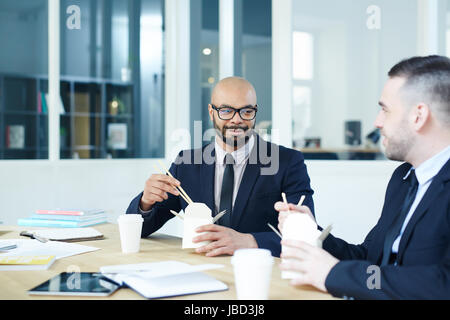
<point>258,192</point>
<point>423,271</point>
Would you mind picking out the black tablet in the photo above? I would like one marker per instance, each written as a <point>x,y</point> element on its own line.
<point>76,284</point>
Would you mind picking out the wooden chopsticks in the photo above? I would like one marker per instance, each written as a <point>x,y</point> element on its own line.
<point>183,193</point>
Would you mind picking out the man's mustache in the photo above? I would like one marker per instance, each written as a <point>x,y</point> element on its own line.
<point>245,128</point>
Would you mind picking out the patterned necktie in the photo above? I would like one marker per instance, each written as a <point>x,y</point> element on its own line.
<point>226,194</point>
<point>396,226</point>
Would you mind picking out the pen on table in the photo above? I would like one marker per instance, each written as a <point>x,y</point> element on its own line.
<point>33,236</point>
<point>7,248</point>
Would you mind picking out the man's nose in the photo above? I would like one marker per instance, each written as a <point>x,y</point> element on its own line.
<point>236,118</point>
<point>379,120</point>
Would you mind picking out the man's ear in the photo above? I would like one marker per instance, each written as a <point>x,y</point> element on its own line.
<point>210,111</point>
<point>422,115</point>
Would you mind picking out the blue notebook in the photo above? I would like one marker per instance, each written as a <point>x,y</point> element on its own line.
<point>67,217</point>
<point>59,223</point>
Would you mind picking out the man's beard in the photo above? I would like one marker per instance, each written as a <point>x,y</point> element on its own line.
<point>399,145</point>
<point>234,141</point>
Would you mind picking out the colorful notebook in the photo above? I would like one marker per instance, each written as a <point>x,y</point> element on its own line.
<point>20,263</point>
<point>72,212</point>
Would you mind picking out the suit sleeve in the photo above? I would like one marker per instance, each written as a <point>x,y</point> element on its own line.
<point>360,279</point>
<point>160,212</point>
<point>295,183</point>
<point>342,250</point>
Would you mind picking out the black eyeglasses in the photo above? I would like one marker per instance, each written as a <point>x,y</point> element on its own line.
<point>227,113</point>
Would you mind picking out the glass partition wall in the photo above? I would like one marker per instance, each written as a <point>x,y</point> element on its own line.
<point>111,102</point>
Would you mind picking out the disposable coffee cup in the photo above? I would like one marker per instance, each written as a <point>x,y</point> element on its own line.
<point>252,273</point>
<point>130,228</point>
<point>300,227</point>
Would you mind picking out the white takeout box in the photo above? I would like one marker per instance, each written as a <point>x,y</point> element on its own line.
<point>196,215</point>
<point>300,227</point>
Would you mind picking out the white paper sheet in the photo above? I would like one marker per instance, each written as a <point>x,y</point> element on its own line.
<point>165,279</point>
<point>175,285</point>
<point>52,248</point>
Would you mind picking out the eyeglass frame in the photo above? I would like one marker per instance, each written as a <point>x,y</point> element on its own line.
<point>254,108</point>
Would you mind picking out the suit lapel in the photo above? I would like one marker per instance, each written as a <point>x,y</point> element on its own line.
<point>207,173</point>
<point>393,206</point>
<point>433,192</point>
<point>251,174</point>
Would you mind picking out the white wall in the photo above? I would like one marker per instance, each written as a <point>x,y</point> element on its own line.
<point>349,194</point>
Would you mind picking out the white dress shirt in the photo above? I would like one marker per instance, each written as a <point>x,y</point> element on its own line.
<point>425,174</point>
<point>240,157</point>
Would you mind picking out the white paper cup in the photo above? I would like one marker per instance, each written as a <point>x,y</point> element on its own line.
<point>252,273</point>
<point>300,227</point>
<point>130,228</point>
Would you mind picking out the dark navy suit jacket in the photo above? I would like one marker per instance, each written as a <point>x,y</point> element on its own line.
<point>258,192</point>
<point>423,270</point>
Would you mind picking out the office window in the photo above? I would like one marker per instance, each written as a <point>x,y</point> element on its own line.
<point>342,51</point>
<point>256,56</point>
<point>23,61</point>
<point>204,66</point>
<point>209,56</point>
<point>303,52</point>
<point>112,79</point>
<point>303,76</point>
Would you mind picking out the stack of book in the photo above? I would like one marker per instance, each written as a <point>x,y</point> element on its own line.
<point>64,218</point>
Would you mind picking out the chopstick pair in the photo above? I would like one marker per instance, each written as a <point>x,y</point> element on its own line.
<point>283,195</point>
<point>183,193</point>
<point>302,198</point>
<point>322,236</point>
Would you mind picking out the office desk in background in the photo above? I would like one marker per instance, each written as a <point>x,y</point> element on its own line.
<point>15,284</point>
<point>342,154</point>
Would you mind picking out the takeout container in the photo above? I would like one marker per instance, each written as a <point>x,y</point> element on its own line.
<point>300,227</point>
<point>195,215</point>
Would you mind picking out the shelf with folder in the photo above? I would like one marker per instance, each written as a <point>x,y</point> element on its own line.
<point>86,107</point>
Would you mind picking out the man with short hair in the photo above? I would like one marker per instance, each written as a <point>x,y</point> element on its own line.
<point>407,254</point>
<point>239,172</point>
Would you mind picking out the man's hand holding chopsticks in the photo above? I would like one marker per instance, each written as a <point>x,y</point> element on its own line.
<point>156,189</point>
<point>224,240</point>
<point>292,208</point>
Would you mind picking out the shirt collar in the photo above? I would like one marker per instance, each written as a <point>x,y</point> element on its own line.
<point>430,168</point>
<point>240,155</point>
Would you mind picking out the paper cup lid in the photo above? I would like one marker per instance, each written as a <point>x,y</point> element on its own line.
<point>252,256</point>
<point>130,218</point>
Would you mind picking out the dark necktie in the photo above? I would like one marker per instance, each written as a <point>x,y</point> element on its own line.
<point>396,226</point>
<point>226,194</point>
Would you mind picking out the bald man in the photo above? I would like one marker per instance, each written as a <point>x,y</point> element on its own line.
<point>239,172</point>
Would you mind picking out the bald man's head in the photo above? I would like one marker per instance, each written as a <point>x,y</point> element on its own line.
<point>238,94</point>
<point>234,91</point>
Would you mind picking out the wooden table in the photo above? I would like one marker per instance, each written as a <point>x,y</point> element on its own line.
<point>15,284</point>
